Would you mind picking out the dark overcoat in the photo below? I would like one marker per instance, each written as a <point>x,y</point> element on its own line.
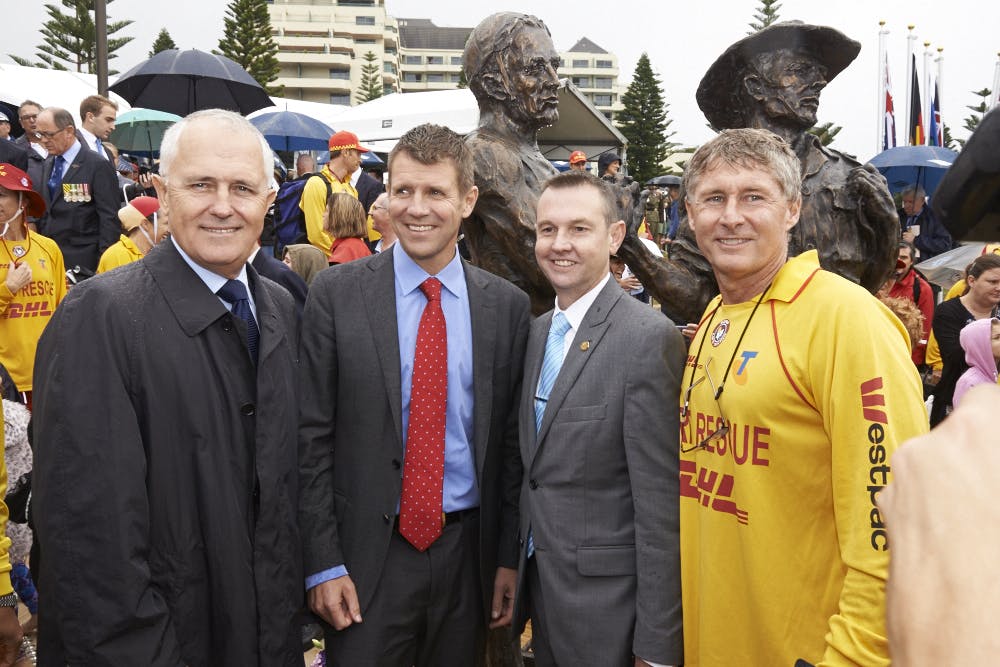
<point>165,474</point>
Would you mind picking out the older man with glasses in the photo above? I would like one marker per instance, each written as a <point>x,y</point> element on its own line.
<point>797,391</point>
<point>81,194</point>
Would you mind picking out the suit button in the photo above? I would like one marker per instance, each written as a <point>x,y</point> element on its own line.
<point>227,325</point>
<point>532,484</point>
<point>248,409</point>
<point>386,518</point>
<point>520,543</point>
<point>396,464</point>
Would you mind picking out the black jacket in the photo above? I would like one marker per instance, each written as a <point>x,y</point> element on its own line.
<point>165,474</point>
<point>279,272</point>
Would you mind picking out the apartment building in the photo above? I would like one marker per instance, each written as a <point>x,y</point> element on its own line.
<point>322,46</point>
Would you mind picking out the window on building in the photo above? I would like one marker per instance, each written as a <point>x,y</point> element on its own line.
<point>340,98</point>
<point>607,114</point>
<point>363,3</point>
<point>602,100</point>
<point>456,60</point>
<point>390,50</point>
<point>604,64</point>
<point>581,81</point>
<point>581,63</point>
<point>364,20</point>
<point>435,78</point>
<point>340,74</point>
<point>364,41</point>
<point>388,90</point>
<point>412,77</point>
<point>435,60</point>
<point>413,60</point>
<point>602,82</point>
<point>389,68</point>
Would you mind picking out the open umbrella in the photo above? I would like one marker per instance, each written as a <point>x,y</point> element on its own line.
<point>184,81</point>
<point>290,131</point>
<point>665,180</point>
<point>141,130</point>
<point>945,269</point>
<point>914,165</point>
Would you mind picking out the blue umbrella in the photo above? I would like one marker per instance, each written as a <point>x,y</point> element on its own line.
<point>290,131</point>
<point>914,165</point>
<point>369,159</point>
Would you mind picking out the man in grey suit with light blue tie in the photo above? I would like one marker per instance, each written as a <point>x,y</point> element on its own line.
<point>600,571</point>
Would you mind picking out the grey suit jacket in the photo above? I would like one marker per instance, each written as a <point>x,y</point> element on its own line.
<point>350,435</point>
<point>600,490</point>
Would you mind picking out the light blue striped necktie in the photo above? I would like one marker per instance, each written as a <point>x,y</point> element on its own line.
<point>551,363</point>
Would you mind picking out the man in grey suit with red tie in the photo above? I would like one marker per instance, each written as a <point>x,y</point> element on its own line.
<point>80,189</point>
<point>600,567</point>
<point>409,470</point>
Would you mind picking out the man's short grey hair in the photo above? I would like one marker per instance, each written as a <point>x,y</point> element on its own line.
<point>748,149</point>
<point>236,124</point>
<point>916,190</point>
<point>60,117</point>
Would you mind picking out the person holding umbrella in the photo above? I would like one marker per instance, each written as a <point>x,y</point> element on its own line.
<point>920,226</point>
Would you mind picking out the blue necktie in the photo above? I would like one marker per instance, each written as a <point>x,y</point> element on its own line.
<point>55,179</point>
<point>551,363</point>
<point>235,292</point>
<point>100,148</point>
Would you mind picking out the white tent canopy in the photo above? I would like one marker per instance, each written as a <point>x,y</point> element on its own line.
<point>380,123</point>
<point>50,88</point>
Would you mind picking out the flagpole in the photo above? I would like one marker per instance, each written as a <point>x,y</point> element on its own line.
<point>928,87</point>
<point>996,82</point>
<point>939,93</point>
<point>880,109</point>
<point>910,40</point>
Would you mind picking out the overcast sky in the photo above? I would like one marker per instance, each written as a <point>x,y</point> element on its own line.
<point>681,38</point>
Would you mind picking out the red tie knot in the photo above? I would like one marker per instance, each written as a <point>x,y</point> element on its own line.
<point>431,289</point>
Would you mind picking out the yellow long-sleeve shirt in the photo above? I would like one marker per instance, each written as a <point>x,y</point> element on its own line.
<point>23,315</point>
<point>933,356</point>
<point>313,205</point>
<point>5,585</point>
<point>783,551</point>
<point>121,253</point>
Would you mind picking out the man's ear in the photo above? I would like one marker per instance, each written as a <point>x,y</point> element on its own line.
<point>495,86</point>
<point>754,86</point>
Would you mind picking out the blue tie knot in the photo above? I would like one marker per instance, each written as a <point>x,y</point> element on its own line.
<point>233,291</point>
<point>560,325</point>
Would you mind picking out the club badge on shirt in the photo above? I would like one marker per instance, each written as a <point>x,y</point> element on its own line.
<point>719,333</point>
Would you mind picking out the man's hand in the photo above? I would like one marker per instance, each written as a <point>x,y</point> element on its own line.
<point>18,275</point>
<point>944,531</point>
<point>10,636</point>
<point>336,602</point>
<point>629,284</point>
<point>504,586</point>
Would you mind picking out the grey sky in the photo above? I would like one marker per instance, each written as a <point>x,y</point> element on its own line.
<point>681,38</point>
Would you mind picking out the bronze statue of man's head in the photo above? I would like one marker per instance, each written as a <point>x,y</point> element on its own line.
<point>774,75</point>
<point>511,64</point>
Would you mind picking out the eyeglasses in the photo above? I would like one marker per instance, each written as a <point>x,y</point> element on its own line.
<point>723,429</point>
<point>29,117</point>
<point>47,135</point>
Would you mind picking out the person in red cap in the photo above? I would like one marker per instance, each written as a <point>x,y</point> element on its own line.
<point>345,157</point>
<point>32,277</point>
<point>144,228</point>
<point>578,161</point>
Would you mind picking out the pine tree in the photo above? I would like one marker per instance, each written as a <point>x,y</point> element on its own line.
<point>826,132</point>
<point>70,38</point>
<point>371,80</point>
<point>247,41</point>
<point>971,121</point>
<point>765,15</point>
<point>163,42</point>
<point>644,123</point>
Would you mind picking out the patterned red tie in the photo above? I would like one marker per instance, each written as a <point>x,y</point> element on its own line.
<point>423,468</point>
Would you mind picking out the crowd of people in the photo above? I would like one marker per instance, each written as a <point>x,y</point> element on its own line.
<point>365,430</point>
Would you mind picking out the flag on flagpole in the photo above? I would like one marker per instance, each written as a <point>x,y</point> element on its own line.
<point>916,129</point>
<point>935,132</point>
<point>889,119</point>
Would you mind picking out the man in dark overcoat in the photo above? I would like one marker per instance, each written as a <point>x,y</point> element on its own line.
<point>165,424</point>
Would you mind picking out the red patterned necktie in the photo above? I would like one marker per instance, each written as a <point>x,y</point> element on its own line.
<point>423,468</point>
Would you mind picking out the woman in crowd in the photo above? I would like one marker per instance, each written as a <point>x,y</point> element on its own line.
<point>345,222</point>
<point>32,277</point>
<point>306,260</point>
<point>979,302</point>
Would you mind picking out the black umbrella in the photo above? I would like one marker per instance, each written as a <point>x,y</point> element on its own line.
<point>665,180</point>
<point>184,81</point>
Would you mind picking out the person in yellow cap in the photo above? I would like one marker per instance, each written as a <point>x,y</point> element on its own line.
<point>144,228</point>
<point>345,157</point>
<point>578,161</point>
<point>32,277</point>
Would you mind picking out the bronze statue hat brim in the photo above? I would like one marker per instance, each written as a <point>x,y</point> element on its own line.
<point>718,93</point>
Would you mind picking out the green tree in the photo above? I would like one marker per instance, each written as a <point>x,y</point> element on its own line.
<point>765,15</point>
<point>826,132</point>
<point>971,121</point>
<point>163,42</point>
<point>70,38</point>
<point>644,122</point>
<point>371,80</point>
<point>247,41</point>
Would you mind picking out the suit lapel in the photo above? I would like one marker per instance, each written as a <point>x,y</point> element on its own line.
<point>380,302</point>
<point>595,324</point>
<point>482,312</point>
<point>537,336</point>
<point>271,330</point>
<point>46,174</point>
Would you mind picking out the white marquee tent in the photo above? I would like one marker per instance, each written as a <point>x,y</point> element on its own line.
<point>49,87</point>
